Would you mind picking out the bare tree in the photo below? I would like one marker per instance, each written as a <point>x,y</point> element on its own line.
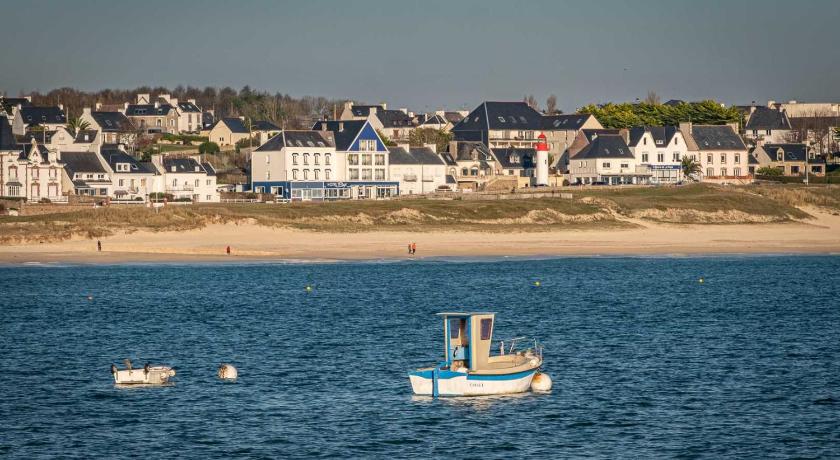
<point>531,101</point>
<point>551,104</point>
<point>652,98</point>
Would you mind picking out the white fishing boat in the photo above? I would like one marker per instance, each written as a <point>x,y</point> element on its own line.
<point>469,368</point>
<point>148,375</point>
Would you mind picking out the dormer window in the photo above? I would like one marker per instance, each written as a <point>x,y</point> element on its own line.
<point>659,142</point>
<point>173,169</point>
<point>197,169</point>
<point>779,156</point>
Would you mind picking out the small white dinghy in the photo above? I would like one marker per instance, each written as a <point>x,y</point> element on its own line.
<point>148,375</point>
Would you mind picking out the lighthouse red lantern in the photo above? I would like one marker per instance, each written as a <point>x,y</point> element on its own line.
<point>542,145</point>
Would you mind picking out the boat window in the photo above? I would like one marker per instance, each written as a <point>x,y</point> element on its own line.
<point>454,328</point>
<point>486,328</point>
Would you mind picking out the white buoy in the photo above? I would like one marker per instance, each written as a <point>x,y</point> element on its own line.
<point>541,382</point>
<point>227,372</point>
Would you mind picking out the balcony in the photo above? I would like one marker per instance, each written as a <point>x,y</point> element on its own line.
<point>410,177</point>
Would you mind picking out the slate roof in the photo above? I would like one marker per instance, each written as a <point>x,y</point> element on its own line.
<point>184,165</point>
<point>188,107</point>
<point>766,118</point>
<point>80,136</point>
<point>592,133</point>
<point>288,138</point>
<point>662,135</point>
<point>716,137</point>
<point>414,156</point>
<point>453,117</point>
<point>264,125</point>
<point>8,103</point>
<point>605,146</point>
<point>7,137</point>
<point>792,152</point>
<point>466,150</point>
<point>513,158</point>
<point>207,119</point>
<point>26,148</point>
<point>501,115</point>
<point>364,110</point>
<point>208,168</point>
<point>113,156</point>
<point>435,120</point>
<point>343,137</point>
<point>394,118</point>
<point>147,110</point>
<point>82,162</point>
<point>114,122</point>
<point>32,115</point>
<point>447,158</point>
<point>564,122</point>
<point>235,125</point>
<point>40,136</point>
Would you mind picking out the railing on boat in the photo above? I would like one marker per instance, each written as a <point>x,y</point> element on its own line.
<point>537,347</point>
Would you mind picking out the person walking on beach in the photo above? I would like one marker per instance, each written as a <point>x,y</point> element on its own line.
<point>414,248</point>
<point>99,245</point>
<point>409,248</point>
<point>228,250</point>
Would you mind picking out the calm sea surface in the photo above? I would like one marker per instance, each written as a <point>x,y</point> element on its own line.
<point>646,361</point>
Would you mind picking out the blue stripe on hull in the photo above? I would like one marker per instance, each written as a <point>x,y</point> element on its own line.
<point>447,374</point>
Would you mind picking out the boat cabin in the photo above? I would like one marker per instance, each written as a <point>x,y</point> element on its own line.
<point>467,339</point>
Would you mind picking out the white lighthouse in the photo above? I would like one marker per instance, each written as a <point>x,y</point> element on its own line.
<point>541,165</point>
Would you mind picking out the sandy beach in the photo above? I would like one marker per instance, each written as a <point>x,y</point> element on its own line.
<point>248,241</point>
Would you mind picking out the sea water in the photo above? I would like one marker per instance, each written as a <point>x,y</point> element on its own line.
<point>646,360</point>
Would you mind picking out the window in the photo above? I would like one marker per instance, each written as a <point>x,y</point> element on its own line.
<point>737,159</point>
<point>306,158</point>
<point>327,174</point>
<point>455,325</point>
<point>465,172</point>
<point>207,197</point>
<point>380,160</point>
<point>474,171</point>
<point>380,174</point>
<point>305,174</point>
<point>268,159</point>
<point>644,158</point>
<point>625,165</point>
<point>100,176</point>
<point>159,122</point>
<point>317,158</point>
<point>259,189</point>
<point>366,160</point>
<point>354,174</point>
<point>175,182</point>
<point>644,141</point>
<point>710,172</point>
<point>122,182</point>
<point>353,159</point>
<point>209,182</point>
<point>676,141</point>
<point>268,175</point>
<point>676,156</point>
<point>294,158</point>
<point>709,158</point>
<point>723,172</point>
<point>486,328</point>
<point>723,158</point>
<point>294,174</point>
<point>327,157</point>
<point>53,173</point>
<point>196,182</point>
<point>737,172</point>
<point>315,174</point>
<point>367,174</point>
<point>769,132</point>
<point>660,157</point>
<point>605,165</point>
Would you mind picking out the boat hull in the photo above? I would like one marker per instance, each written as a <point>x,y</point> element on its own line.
<point>158,375</point>
<point>452,383</point>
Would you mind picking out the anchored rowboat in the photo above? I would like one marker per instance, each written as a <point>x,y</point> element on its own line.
<point>469,369</point>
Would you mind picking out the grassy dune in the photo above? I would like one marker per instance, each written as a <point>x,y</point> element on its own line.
<point>696,204</point>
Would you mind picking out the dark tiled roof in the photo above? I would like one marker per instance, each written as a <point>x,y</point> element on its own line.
<point>235,125</point>
<point>263,125</point>
<point>40,136</point>
<point>343,137</point>
<point>207,119</point>
<point>447,159</point>
<point>716,137</point>
<point>183,165</point>
<point>564,122</point>
<point>364,110</point>
<point>113,156</point>
<point>513,158</point>
<point>81,139</point>
<point>767,118</point>
<point>434,120</point>
<point>114,122</point>
<point>471,151</point>
<point>8,103</point>
<point>752,159</point>
<point>592,133</point>
<point>450,179</point>
<point>501,115</point>
<point>86,162</point>
<point>208,168</point>
<point>26,148</point>
<point>662,135</point>
<point>7,137</point>
<point>453,117</point>
<point>32,115</point>
<point>147,110</point>
<point>298,139</point>
<point>414,156</point>
<point>792,152</point>
<point>801,123</point>
<point>393,118</point>
<point>606,146</point>
<point>188,107</point>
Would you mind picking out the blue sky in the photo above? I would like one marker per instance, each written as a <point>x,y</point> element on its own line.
<point>431,54</point>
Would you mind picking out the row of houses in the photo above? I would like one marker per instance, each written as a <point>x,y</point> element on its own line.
<point>52,165</point>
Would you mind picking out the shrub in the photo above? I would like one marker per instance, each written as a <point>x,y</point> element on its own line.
<point>208,147</point>
<point>45,201</point>
<point>768,171</point>
<point>159,196</point>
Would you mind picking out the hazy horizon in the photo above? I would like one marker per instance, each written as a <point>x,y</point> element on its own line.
<point>432,55</point>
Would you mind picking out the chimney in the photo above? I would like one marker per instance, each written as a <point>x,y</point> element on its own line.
<point>143,98</point>
<point>61,107</point>
<point>262,137</point>
<point>324,125</point>
<point>686,127</point>
<point>433,147</point>
<point>98,106</point>
<point>165,97</point>
<point>86,111</point>
<point>192,101</point>
<point>372,111</point>
<point>384,106</point>
<point>341,126</point>
<point>157,104</point>
<point>125,107</point>
<point>404,110</point>
<point>174,101</point>
<point>348,105</point>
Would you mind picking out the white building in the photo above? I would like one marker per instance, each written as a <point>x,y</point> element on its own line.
<point>719,149</point>
<point>768,126</point>
<point>186,177</point>
<point>132,180</point>
<point>298,165</point>
<point>419,170</point>
<point>45,118</point>
<point>659,151</point>
<point>85,173</point>
<point>28,171</point>
<point>606,159</point>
